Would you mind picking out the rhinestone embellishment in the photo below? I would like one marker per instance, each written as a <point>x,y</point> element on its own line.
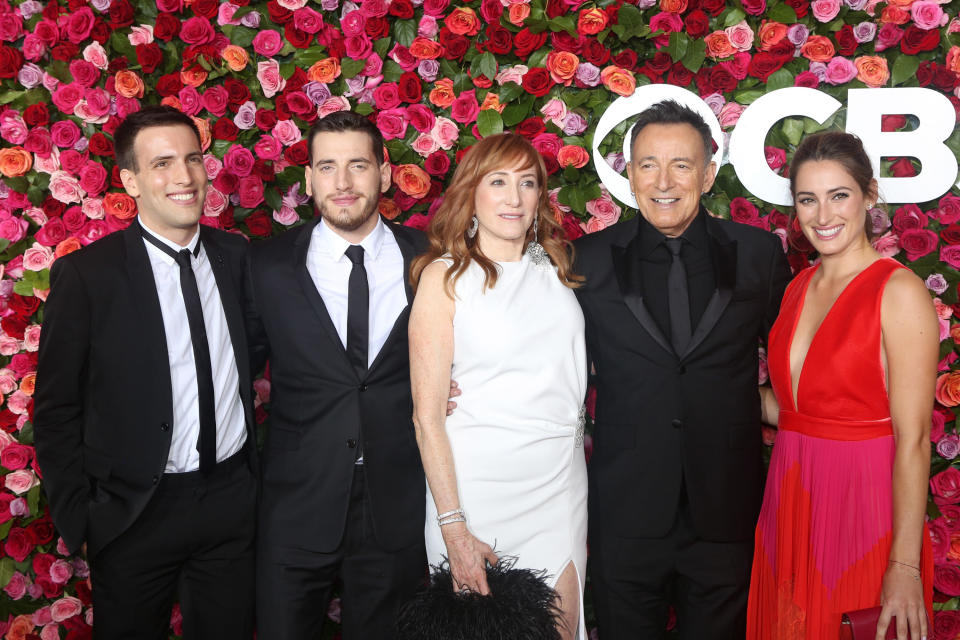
<point>581,423</point>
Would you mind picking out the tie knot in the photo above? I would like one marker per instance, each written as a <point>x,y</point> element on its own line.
<point>674,245</point>
<point>183,258</point>
<point>355,254</point>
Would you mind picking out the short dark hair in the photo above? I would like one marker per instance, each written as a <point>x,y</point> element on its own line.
<point>340,121</point>
<point>672,112</point>
<point>148,116</point>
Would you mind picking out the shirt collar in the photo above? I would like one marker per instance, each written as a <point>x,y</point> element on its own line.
<point>333,244</point>
<point>650,238</point>
<point>192,245</point>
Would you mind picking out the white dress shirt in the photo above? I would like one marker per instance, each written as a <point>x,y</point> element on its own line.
<point>330,268</point>
<point>231,427</point>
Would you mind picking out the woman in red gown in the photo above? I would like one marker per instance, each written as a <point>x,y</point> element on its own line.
<point>852,360</point>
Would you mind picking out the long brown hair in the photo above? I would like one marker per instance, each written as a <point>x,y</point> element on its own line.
<point>447,232</point>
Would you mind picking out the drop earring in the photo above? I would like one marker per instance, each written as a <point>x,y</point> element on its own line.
<point>472,229</point>
<point>538,255</point>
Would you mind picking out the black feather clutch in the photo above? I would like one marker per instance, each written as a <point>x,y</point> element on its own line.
<point>521,607</point>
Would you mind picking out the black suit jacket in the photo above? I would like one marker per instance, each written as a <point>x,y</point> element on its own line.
<point>103,403</point>
<point>665,419</point>
<point>319,408</point>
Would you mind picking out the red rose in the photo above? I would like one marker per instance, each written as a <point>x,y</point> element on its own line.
<point>800,7</point>
<point>225,129</point>
<point>117,64</point>
<point>563,41</point>
<point>377,28</point>
<point>754,7</point>
<point>402,9</point>
<point>237,92</point>
<point>409,88</point>
<point>18,544</point>
<point>499,40</point>
<point>437,164</point>
<point>149,56</point>
<point>37,115</point>
<point>529,128</point>
<point>944,79</point>
<point>14,326</point>
<point>946,578</point>
<point>571,226</point>
<point>41,530</point>
<point>169,85</point>
<point>764,64</point>
<point>455,46</point>
<point>49,588</point>
<point>100,145</point>
<point>626,59</point>
<point>595,53</point>
<point>51,234</point>
<point>903,168</point>
<point>294,82</point>
<point>52,207</point>
<point>265,119</point>
<point>226,182</point>
<point>23,306</point>
<point>846,42</point>
<point>296,37</point>
<point>679,75</point>
<point>892,122</point>
<point>946,624</point>
<point>557,8</point>
<point>697,24</point>
<point>166,26</point>
<point>918,243</point>
<point>205,8</point>
<point>951,234</point>
<point>526,42</point>
<point>263,169</point>
<point>713,7</point>
<point>924,73</point>
<point>10,61</point>
<point>101,31</point>
<point>277,13</point>
<point>916,40</point>
<point>296,153</point>
<point>490,11</point>
<point>537,81</point>
<point>121,14</point>
<point>259,224</point>
<point>945,487</point>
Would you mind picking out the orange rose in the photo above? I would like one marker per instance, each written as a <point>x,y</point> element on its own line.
<point>518,13</point>
<point>770,34</point>
<point>562,66</point>
<point>953,59</point>
<point>592,21</point>
<point>28,383</point>
<point>203,126</point>
<point>619,81</point>
<point>872,70</point>
<point>194,76</point>
<point>442,93</point>
<point>492,101</point>
<point>235,57</point>
<point>901,3</point>
<point>172,101</point>
<point>119,205</point>
<point>412,180</point>
<point>15,161</point>
<point>954,551</point>
<point>572,156</point>
<point>425,49</point>
<point>69,245</point>
<point>21,626</point>
<point>388,208</point>
<point>948,389</point>
<point>128,84</point>
<point>463,21</point>
<point>818,49</point>
<point>894,14</point>
<point>719,45</point>
<point>673,6</point>
<point>325,71</point>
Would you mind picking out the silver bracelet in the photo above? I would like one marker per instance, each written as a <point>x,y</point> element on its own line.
<point>452,519</point>
<point>455,512</point>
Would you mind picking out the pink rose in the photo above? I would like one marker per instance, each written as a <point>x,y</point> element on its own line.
<point>22,480</point>
<point>353,23</point>
<point>511,74</point>
<point>775,156</point>
<point>949,253</point>
<point>197,30</point>
<point>392,123</point>
<point>945,487</point>
<point>61,571</point>
<point>33,47</point>
<point>8,346</point>
<point>140,34</point>
<point>668,23</point>
<point>840,71</point>
<point>80,24</point>
<point>215,203</point>
<point>239,161</point>
<point>92,231</point>
<point>465,107</point>
<point>374,8</point>
<point>887,245</point>
<point>740,35</point>
<point>593,225</point>
<point>91,208</point>
<point>11,26</point>
<point>744,212</point>
<point>730,114</point>
<point>37,257</point>
<point>31,337</point>
<point>425,144</point>
<point>66,97</point>
<point>421,117</point>
<point>909,216</point>
<point>64,133</point>
<point>215,100</point>
<point>190,100</point>
<point>13,229</point>
<point>267,43</point>
<point>52,233</point>
<point>15,456</point>
<point>308,20</point>
<point>64,187</point>
<point>8,382</point>
<point>939,538</point>
<point>212,165</point>
<point>604,209</point>
<point>547,143</point>
<point>250,191</point>
<point>918,243</point>
<point>946,625</point>
<point>93,178</point>
<point>825,10</point>
<point>888,36</point>
<point>267,148</point>
<point>948,210</point>
<point>64,608</point>
<point>84,73</point>
<point>445,132</point>
<point>95,54</point>
<point>286,132</point>
<point>555,111</point>
<point>286,216</point>
<point>386,95</point>
<point>17,587</point>
<point>927,15</point>
<point>268,73</point>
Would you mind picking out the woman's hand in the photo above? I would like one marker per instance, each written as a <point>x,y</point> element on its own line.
<point>902,596</point>
<point>468,557</point>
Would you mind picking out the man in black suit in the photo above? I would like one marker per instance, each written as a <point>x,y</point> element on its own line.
<point>675,302</point>
<point>143,415</point>
<point>343,487</point>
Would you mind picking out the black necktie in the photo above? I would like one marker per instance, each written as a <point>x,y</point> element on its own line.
<point>678,298</point>
<point>358,311</point>
<point>207,441</point>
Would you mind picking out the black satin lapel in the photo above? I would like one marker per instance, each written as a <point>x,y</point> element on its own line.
<point>724,253</point>
<point>146,303</point>
<point>223,274</point>
<point>626,266</point>
<point>312,295</point>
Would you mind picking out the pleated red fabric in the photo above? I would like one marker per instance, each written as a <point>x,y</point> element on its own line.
<point>824,533</point>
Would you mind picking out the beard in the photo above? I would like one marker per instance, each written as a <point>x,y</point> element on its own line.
<point>343,220</point>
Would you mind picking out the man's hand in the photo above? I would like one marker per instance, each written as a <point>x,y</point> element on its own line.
<point>454,392</point>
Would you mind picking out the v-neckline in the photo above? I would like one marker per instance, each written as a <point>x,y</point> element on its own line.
<point>795,390</point>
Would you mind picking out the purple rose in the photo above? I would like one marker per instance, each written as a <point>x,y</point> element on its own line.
<point>865,32</point>
<point>949,445</point>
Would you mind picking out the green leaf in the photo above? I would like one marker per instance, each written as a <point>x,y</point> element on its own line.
<point>904,67</point>
<point>518,111</point>
<point>287,69</point>
<point>487,65</point>
<point>306,58</point>
<point>779,79</point>
<point>242,37</point>
<point>220,147</point>
<point>782,12</point>
<point>6,571</point>
<point>405,31</point>
<point>19,184</point>
<point>564,23</point>
<point>678,45</point>
<point>696,54</point>
<point>364,108</point>
<point>391,71</point>
<point>793,130</point>
<point>748,96</point>
<point>242,11</point>
<point>630,21</point>
<point>381,47</point>
<point>538,58</point>
<point>33,498</point>
<point>26,433</point>
<point>9,96</point>
<point>733,16</point>
<point>572,196</point>
<point>350,67</point>
<point>36,196</point>
<point>575,98</point>
<point>121,45</point>
<point>510,92</point>
<point>273,198</point>
<point>489,123</point>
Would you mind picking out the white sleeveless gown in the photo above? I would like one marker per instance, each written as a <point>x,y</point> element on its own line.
<point>520,360</point>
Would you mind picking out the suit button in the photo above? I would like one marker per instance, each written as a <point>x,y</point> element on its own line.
<point>156,479</point>
<point>676,424</point>
<point>363,387</point>
<point>352,443</point>
<point>164,426</point>
<point>682,369</point>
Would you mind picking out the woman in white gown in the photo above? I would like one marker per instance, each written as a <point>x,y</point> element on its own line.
<point>506,470</point>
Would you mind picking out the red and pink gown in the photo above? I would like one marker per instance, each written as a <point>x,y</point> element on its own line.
<point>824,534</point>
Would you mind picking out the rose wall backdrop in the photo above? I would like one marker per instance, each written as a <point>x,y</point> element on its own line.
<point>435,75</point>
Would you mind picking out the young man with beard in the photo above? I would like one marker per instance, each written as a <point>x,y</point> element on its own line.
<point>144,409</point>
<point>342,493</point>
